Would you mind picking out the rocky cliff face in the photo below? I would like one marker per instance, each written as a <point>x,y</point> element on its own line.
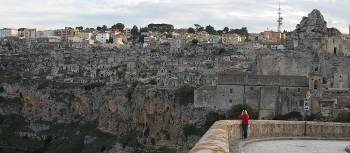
<point>313,35</point>
<point>313,22</point>
<point>149,117</point>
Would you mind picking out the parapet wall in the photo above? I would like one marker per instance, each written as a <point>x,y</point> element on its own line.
<point>219,137</point>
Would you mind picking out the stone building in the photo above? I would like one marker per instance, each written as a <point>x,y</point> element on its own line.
<point>27,34</point>
<point>270,95</point>
<point>8,32</point>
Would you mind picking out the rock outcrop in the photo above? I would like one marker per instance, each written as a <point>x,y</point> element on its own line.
<point>312,34</point>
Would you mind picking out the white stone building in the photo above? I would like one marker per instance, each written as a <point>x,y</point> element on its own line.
<point>8,33</point>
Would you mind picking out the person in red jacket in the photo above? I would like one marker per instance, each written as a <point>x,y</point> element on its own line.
<point>245,123</point>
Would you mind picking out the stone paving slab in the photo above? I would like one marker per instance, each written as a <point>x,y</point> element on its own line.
<point>297,146</point>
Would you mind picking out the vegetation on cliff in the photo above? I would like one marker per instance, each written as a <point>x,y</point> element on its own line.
<point>185,94</point>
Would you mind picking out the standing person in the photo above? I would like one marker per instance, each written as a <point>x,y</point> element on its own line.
<point>245,123</point>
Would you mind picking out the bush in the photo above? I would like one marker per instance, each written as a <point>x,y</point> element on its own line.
<point>130,139</point>
<point>185,94</point>
<point>219,52</point>
<point>195,41</point>
<point>191,129</point>
<point>314,117</point>
<point>212,117</point>
<point>343,118</point>
<point>153,82</point>
<point>290,116</point>
<point>93,86</point>
<point>235,112</point>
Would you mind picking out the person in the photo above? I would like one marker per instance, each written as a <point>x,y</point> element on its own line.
<point>245,123</point>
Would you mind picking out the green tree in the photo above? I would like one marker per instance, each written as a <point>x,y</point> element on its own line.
<point>212,117</point>
<point>226,30</point>
<point>191,129</point>
<point>80,28</point>
<point>104,28</point>
<point>191,30</point>
<point>145,29</point>
<point>195,41</point>
<point>99,28</point>
<point>343,117</point>
<point>199,28</point>
<point>185,94</point>
<point>290,116</point>
<point>243,31</point>
<point>211,30</point>
<point>119,26</point>
<point>135,31</point>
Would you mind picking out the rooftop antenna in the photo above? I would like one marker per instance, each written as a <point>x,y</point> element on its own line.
<point>280,18</point>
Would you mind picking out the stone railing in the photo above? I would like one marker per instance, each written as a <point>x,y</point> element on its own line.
<point>223,136</point>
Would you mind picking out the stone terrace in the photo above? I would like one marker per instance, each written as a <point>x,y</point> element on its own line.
<point>225,136</point>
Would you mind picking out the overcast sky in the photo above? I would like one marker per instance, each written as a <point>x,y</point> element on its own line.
<point>257,15</point>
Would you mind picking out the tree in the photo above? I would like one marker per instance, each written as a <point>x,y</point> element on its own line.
<point>104,28</point>
<point>191,30</point>
<point>211,30</point>
<point>243,31</point>
<point>220,32</point>
<point>199,28</point>
<point>80,28</point>
<point>195,41</point>
<point>145,29</point>
<point>134,30</point>
<point>99,28</point>
<point>226,30</point>
<point>184,94</point>
<point>212,117</point>
<point>119,26</point>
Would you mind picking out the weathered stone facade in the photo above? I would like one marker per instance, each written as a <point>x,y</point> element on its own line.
<point>270,95</point>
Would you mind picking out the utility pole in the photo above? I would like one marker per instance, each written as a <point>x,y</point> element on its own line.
<point>280,18</point>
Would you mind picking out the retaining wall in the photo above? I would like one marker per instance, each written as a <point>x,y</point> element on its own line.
<point>219,137</point>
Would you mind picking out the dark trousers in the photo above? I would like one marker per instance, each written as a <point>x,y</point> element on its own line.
<point>245,131</point>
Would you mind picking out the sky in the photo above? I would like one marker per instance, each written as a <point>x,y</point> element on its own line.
<point>256,15</point>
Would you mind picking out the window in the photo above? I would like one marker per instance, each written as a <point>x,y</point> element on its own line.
<point>251,88</point>
<point>231,91</point>
<point>324,81</point>
<point>298,89</point>
<point>230,100</point>
<point>335,50</point>
<point>301,103</point>
<point>316,69</point>
<point>316,84</point>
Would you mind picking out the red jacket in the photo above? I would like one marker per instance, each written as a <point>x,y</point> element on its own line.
<point>245,119</point>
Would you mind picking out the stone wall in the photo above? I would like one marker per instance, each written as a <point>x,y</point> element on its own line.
<point>220,138</point>
<point>268,100</point>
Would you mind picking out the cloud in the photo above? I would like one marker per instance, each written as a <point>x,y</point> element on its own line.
<point>257,15</point>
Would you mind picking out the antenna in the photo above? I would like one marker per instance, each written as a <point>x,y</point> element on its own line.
<point>280,18</point>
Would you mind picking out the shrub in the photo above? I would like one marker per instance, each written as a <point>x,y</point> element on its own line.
<point>93,86</point>
<point>185,94</point>
<point>343,117</point>
<point>191,129</point>
<point>314,117</point>
<point>195,41</point>
<point>235,112</point>
<point>153,82</point>
<point>212,117</point>
<point>290,116</point>
<point>130,139</point>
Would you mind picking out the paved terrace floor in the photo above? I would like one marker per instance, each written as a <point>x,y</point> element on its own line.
<point>296,146</point>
